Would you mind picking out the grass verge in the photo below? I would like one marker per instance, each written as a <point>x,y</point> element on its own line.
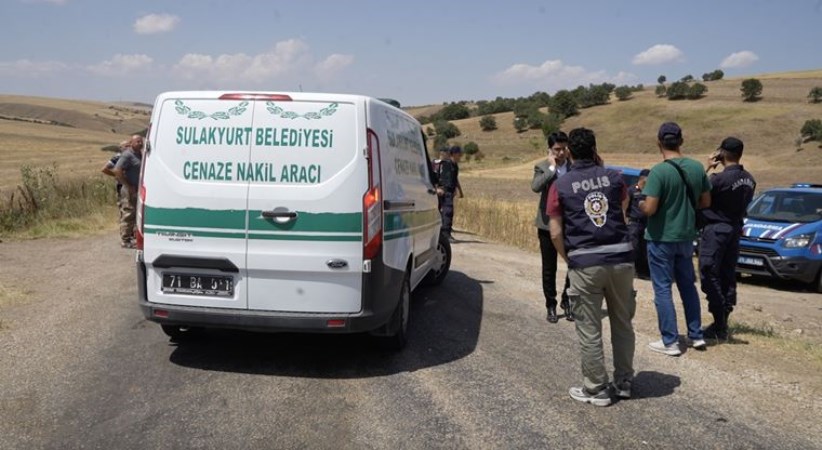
<point>46,205</point>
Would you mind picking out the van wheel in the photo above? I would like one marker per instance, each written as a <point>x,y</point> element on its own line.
<point>399,320</point>
<point>443,264</point>
<point>179,333</point>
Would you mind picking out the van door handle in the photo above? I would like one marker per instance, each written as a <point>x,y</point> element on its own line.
<point>389,205</point>
<point>280,216</point>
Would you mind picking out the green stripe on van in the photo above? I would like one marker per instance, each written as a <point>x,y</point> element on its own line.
<point>180,233</point>
<point>233,219</point>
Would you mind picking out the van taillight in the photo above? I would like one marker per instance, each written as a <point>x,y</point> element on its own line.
<point>372,201</point>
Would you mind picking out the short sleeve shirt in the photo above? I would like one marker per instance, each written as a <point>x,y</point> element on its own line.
<point>675,218</point>
<point>129,163</point>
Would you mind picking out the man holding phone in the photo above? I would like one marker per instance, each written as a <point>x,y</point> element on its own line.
<point>731,192</point>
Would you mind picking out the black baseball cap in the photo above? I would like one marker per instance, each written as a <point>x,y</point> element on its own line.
<point>732,144</point>
<point>455,149</point>
<point>669,129</point>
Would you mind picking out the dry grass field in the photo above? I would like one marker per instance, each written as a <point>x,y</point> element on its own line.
<point>39,131</point>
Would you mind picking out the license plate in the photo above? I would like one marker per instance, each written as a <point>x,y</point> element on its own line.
<point>750,261</point>
<point>207,285</point>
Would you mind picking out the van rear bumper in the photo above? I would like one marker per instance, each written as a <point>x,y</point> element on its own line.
<point>380,299</point>
<point>268,321</point>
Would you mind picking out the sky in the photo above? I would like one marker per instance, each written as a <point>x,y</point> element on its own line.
<point>419,53</point>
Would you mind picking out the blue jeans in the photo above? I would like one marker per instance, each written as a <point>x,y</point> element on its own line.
<point>669,262</point>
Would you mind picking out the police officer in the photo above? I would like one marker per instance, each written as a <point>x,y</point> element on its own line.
<point>448,185</point>
<point>587,220</point>
<point>637,220</point>
<point>732,190</point>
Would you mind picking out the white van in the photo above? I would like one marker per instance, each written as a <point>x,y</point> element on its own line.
<point>285,212</point>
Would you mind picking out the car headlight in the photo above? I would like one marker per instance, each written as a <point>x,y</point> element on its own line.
<point>801,241</point>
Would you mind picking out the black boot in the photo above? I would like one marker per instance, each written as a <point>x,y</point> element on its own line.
<point>718,330</point>
<point>552,314</point>
<point>566,310</point>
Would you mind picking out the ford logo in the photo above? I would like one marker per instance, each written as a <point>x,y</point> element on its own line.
<point>337,264</point>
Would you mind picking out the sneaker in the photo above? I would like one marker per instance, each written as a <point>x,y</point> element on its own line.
<point>601,398</point>
<point>660,347</point>
<point>697,344</point>
<point>622,389</point>
<point>127,244</point>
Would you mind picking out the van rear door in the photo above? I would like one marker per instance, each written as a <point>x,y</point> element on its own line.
<point>195,205</point>
<point>307,175</point>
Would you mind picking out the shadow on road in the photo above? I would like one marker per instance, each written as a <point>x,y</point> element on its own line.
<point>444,326</point>
<point>654,384</point>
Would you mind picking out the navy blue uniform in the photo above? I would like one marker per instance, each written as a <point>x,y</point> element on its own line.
<point>448,181</point>
<point>732,191</point>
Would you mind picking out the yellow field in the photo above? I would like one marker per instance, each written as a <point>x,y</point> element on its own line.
<point>626,133</point>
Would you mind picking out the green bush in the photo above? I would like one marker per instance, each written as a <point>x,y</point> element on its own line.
<point>430,131</point>
<point>488,123</point>
<point>697,90</point>
<point>812,130</point>
<point>751,89</point>
<point>661,90</point>
<point>551,124</point>
<point>535,119</point>
<point>815,95</point>
<point>687,78</point>
<point>623,93</point>
<point>678,90</point>
<point>454,111</point>
<point>447,129</point>
<point>520,124</point>
<point>440,141</point>
<point>471,148</point>
<point>43,197</point>
<point>662,79</point>
<point>713,76</point>
<point>564,103</point>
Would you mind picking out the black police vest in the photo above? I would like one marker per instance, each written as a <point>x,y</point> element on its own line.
<point>594,226</point>
<point>732,190</point>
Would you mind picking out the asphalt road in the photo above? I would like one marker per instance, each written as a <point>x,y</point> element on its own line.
<point>81,368</point>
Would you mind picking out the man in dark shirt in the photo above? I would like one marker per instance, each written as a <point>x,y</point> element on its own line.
<point>731,192</point>
<point>637,220</point>
<point>587,220</point>
<point>127,172</point>
<point>448,185</point>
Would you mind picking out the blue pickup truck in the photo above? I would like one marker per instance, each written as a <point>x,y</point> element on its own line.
<point>782,235</point>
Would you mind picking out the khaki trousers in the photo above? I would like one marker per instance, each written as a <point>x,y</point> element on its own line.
<point>128,213</point>
<point>589,286</point>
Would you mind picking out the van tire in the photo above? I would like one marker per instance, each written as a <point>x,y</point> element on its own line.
<point>178,333</point>
<point>437,274</point>
<point>398,324</point>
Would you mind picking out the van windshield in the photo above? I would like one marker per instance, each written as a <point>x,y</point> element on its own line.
<point>784,206</point>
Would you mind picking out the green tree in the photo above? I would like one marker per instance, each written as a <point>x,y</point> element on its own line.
<point>751,89</point>
<point>687,78</point>
<point>697,90</point>
<point>678,90</point>
<point>447,129</point>
<point>535,119</point>
<point>488,123</point>
<point>551,124</point>
<point>454,111</point>
<point>440,141</point>
<point>815,95</point>
<point>520,124</point>
<point>564,103</point>
<point>717,75</point>
<point>623,93</point>
<point>430,131</point>
<point>471,148</point>
<point>812,130</point>
<point>661,90</point>
<point>540,98</point>
<point>661,79</point>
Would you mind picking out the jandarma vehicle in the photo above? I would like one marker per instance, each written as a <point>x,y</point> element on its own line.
<point>782,235</point>
<point>285,212</point>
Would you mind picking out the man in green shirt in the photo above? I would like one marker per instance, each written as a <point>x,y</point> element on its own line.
<point>671,230</point>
